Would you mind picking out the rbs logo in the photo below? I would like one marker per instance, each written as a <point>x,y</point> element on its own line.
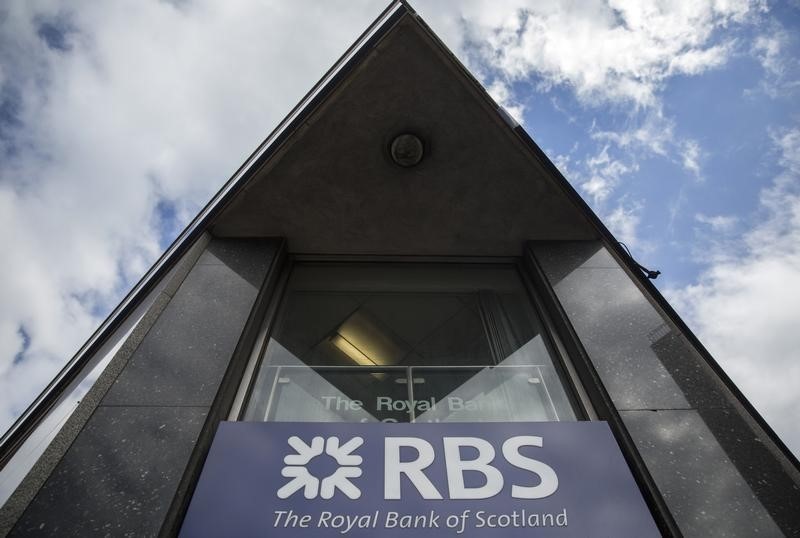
<point>414,469</point>
<point>301,478</point>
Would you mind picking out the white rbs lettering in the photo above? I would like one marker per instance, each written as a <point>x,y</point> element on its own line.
<point>393,468</point>
<point>549,483</point>
<point>456,467</point>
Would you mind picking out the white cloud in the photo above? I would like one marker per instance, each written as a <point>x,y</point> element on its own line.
<point>655,135</point>
<point>619,51</point>
<point>745,305</point>
<point>767,49</point>
<point>775,52</point>
<point>623,222</point>
<point>128,107</point>
<point>601,175</point>
<point>695,62</point>
<point>604,174</point>
<point>718,223</point>
<point>788,143</point>
<point>502,94</point>
<point>691,154</point>
<point>564,164</point>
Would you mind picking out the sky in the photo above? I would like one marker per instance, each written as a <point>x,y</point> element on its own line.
<point>678,121</point>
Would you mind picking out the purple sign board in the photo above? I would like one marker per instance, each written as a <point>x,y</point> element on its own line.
<point>310,480</point>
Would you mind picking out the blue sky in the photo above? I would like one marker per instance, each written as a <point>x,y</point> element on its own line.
<point>678,121</point>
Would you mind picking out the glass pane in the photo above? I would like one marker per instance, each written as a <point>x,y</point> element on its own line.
<point>499,394</point>
<point>337,395</point>
<point>407,342</point>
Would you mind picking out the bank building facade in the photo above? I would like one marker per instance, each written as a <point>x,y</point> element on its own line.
<point>396,319</point>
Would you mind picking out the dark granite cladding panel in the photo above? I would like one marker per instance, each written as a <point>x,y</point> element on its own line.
<point>249,258</point>
<point>41,471</point>
<point>183,358</point>
<point>119,477</point>
<point>643,363</point>
<point>703,488</point>
<point>559,259</point>
<point>718,472</point>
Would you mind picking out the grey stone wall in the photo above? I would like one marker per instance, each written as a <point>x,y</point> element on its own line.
<point>120,475</point>
<point>717,470</point>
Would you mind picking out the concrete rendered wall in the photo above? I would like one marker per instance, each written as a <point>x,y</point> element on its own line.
<point>121,473</point>
<point>717,470</point>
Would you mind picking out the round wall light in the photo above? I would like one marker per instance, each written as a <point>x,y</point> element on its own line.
<point>407,150</point>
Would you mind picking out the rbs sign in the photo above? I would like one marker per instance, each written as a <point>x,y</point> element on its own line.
<point>456,468</point>
<point>414,470</point>
<point>495,479</point>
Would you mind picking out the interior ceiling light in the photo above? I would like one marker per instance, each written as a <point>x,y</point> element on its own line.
<point>407,150</point>
<point>352,351</point>
<point>362,338</point>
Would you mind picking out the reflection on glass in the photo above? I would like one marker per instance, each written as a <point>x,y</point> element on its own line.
<point>718,470</point>
<point>494,394</point>
<point>362,338</point>
<point>400,343</point>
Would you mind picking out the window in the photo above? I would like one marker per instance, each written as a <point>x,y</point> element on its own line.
<point>400,342</point>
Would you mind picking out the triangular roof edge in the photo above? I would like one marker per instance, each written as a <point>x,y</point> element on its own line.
<point>386,20</point>
<point>21,428</point>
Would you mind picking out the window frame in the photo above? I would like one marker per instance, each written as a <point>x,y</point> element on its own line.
<point>577,395</point>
